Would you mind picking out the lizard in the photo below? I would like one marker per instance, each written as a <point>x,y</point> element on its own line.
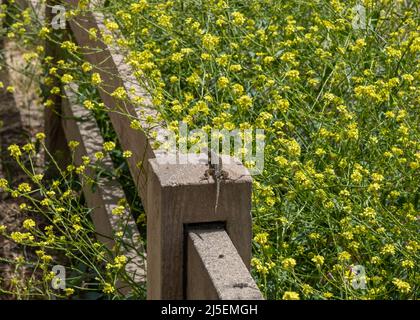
<point>215,163</point>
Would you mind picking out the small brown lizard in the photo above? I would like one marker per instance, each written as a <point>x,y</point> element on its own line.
<point>216,171</point>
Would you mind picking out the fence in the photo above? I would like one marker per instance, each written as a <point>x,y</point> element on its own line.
<point>192,252</point>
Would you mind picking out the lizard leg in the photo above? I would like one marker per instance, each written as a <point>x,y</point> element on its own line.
<point>206,175</point>
<point>225,175</point>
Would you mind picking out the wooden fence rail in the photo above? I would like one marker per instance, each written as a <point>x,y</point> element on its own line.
<point>215,271</point>
<point>102,194</point>
<point>193,252</point>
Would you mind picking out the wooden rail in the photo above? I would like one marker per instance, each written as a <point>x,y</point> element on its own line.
<point>177,198</point>
<point>183,262</point>
<point>109,62</point>
<point>103,194</point>
<point>215,271</point>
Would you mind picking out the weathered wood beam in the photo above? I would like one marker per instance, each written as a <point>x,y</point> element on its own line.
<point>215,271</point>
<point>109,62</point>
<point>103,196</point>
<point>178,197</point>
<point>55,140</point>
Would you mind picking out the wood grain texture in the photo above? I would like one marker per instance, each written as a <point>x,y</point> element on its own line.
<point>178,197</point>
<point>55,140</point>
<point>109,62</point>
<point>215,271</point>
<point>103,196</point>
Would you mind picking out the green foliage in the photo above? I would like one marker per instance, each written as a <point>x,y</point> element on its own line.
<point>339,103</point>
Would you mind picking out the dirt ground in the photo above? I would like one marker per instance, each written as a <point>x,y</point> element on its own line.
<point>21,116</point>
